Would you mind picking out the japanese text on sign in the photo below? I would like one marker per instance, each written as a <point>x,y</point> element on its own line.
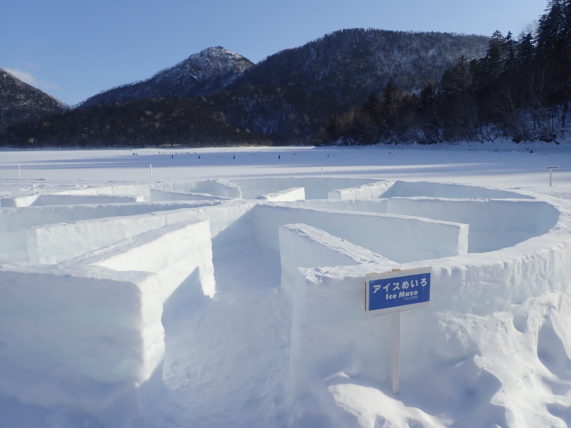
<point>397,289</point>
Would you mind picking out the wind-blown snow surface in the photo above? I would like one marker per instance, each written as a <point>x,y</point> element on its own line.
<point>225,287</point>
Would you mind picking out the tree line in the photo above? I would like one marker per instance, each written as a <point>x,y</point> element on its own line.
<point>520,89</point>
<point>190,122</point>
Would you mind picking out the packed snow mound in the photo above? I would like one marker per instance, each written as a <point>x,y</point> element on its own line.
<point>239,302</point>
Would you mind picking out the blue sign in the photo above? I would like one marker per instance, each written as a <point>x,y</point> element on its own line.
<point>397,290</point>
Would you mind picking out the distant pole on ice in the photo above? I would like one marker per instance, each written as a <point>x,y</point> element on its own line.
<point>150,173</point>
<point>550,169</point>
<point>19,171</point>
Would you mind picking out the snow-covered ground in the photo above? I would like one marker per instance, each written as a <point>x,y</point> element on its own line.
<point>224,287</point>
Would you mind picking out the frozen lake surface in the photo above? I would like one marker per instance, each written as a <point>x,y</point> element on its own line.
<point>511,165</point>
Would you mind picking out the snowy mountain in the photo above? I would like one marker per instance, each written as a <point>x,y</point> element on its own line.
<point>288,97</point>
<point>20,102</point>
<point>365,60</point>
<point>203,73</point>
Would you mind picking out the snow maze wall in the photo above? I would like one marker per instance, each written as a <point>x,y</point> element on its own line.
<point>92,277</point>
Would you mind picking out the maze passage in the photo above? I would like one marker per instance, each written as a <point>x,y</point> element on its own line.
<point>109,265</point>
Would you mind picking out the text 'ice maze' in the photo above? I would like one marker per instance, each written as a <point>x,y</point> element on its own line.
<point>107,264</point>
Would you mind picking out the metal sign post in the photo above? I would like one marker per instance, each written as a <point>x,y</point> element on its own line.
<point>394,292</point>
<point>550,169</point>
<point>394,369</point>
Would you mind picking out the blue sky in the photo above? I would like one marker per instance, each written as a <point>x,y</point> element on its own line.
<point>73,49</point>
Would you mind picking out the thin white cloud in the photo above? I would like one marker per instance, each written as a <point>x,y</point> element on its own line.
<point>22,75</point>
<point>30,79</point>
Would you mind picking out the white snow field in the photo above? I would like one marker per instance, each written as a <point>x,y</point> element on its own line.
<point>225,287</point>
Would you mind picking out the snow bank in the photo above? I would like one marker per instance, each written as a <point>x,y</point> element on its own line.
<point>494,224</point>
<point>24,200</point>
<point>315,187</point>
<point>365,191</point>
<point>170,252</point>
<point>286,195</point>
<point>399,238</point>
<point>55,199</point>
<point>371,206</point>
<point>23,218</point>
<point>161,195</point>
<point>83,337</point>
<point>366,406</point>
<point>55,243</point>
<point>101,332</point>
<point>16,223</point>
<point>215,187</point>
<point>331,332</point>
<point>140,191</point>
<point>334,342</point>
<point>306,246</point>
<point>447,190</point>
